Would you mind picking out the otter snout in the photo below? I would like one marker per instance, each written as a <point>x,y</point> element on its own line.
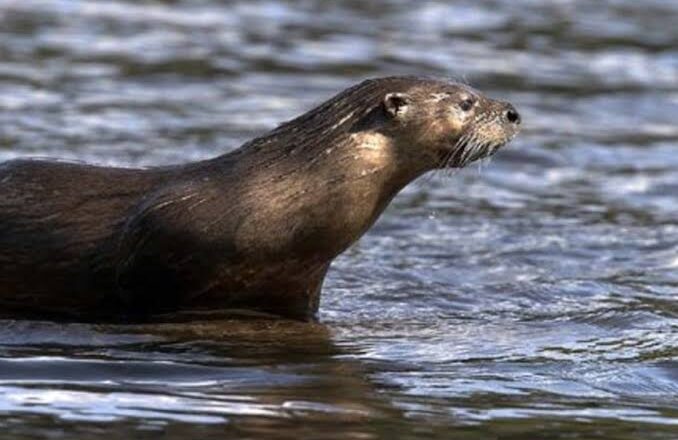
<point>512,115</point>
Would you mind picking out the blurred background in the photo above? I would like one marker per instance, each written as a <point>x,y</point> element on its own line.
<point>532,297</point>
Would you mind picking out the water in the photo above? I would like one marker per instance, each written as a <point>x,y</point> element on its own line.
<point>532,298</point>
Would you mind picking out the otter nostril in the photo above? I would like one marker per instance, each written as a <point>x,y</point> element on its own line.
<point>513,116</point>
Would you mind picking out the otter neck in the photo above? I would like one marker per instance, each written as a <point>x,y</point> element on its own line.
<point>353,182</point>
<point>381,160</point>
<point>311,204</point>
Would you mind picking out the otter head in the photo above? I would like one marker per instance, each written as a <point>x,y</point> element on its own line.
<point>447,124</point>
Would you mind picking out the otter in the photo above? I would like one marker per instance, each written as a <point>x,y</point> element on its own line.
<point>254,229</point>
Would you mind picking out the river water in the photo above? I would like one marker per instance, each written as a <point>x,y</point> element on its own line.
<point>533,297</point>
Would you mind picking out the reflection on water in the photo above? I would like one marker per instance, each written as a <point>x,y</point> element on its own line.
<point>535,298</point>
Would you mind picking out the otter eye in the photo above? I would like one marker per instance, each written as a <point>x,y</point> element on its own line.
<point>466,104</point>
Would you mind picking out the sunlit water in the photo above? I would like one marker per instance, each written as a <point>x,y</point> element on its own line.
<point>533,298</point>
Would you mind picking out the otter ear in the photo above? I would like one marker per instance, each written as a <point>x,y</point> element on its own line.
<point>396,104</point>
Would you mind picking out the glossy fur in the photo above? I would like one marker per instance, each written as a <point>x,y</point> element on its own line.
<point>254,229</point>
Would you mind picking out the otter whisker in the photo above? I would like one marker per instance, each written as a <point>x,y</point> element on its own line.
<point>472,146</point>
<point>449,158</point>
<point>453,151</point>
<point>459,151</point>
<point>465,143</point>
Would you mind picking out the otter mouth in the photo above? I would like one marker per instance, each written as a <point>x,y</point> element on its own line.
<point>470,148</point>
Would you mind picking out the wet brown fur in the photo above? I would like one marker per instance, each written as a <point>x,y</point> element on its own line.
<point>255,229</point>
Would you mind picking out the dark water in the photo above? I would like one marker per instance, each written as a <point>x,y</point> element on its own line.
<point>534,299</point>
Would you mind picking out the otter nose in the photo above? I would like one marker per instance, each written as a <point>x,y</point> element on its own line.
<point>512,115</point>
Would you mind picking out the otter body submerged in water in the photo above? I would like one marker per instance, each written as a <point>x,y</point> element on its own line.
<point>253,229</point>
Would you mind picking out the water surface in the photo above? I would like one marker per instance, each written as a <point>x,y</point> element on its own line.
<point>532,297</point>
